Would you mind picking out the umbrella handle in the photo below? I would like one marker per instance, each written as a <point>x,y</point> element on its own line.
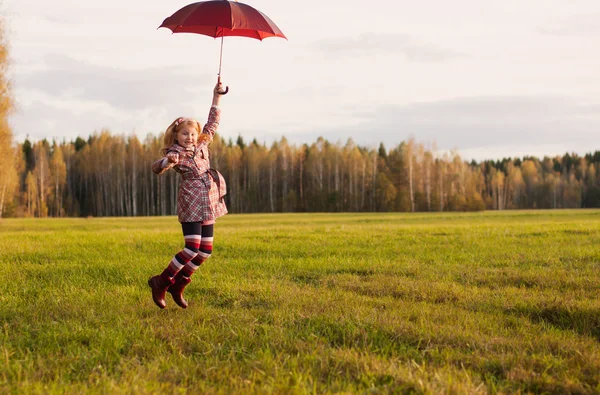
<point>226,88</point>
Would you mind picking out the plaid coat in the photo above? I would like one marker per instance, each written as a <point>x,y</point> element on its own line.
<point>202,189</point>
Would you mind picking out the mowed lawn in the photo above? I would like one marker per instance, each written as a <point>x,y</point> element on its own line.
<point>306,303</point>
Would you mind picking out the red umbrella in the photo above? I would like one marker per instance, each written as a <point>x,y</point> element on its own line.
<point>220,18</point>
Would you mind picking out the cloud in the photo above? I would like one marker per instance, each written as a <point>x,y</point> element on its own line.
<point>371,44</point>
<point>60,19</point>
<point>67,119</point>
<point>66,78</point>
<point>65,98</point>
<point>491,126</point>
<point>577,25</point>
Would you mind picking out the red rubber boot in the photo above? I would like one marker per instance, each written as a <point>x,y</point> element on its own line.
<point>176,290</point>
<point>160,284</point>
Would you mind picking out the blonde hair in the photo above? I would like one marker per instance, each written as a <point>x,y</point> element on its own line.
<point>171,132</point>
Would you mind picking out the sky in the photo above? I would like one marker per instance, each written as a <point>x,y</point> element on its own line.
<point>489,79</point>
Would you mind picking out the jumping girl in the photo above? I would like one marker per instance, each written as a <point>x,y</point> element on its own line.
<point>200,201</point>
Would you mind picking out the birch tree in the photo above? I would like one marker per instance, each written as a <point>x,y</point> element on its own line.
<point>58,169</point>
<point>42,175</point>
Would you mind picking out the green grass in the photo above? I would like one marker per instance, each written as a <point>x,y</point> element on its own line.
<point>496,302</point>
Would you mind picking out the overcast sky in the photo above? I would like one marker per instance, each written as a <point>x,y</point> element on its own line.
<point>489,78</point>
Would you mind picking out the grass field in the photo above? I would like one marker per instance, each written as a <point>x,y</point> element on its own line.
<point>496,302</point>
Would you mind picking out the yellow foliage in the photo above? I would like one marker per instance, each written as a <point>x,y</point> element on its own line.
<point>8,171</point>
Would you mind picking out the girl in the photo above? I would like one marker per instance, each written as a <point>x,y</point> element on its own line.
<point>200,201</point>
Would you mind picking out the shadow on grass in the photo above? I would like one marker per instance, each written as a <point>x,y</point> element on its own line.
<point>312,279</point>
<point>220,298</point>
<point>585,322</point>
<point>353,271</point>
<point>359,336</point>
<point>539,386</point>
<point>315,278</point>
<point>499,281</point>
<point>578,232</point>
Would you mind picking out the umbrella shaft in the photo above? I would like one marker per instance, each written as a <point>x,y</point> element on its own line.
<point>221,57</point>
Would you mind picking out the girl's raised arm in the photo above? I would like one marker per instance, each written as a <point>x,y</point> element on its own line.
<point>214,115</point>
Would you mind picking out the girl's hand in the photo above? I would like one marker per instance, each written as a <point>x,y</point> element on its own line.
<point>218,92</point>
<point>219,89</point>
<point>173,157</point>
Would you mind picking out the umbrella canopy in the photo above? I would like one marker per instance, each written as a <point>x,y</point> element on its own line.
<point>220,18</point>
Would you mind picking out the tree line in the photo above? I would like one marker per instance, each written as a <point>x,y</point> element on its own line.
<point>109,175</point>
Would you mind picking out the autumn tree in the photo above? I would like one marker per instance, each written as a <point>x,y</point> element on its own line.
<point>8,170</point>
<point>58,179</point>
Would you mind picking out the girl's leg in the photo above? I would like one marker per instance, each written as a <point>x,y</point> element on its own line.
<point>192,233</point>
<point>183,277</point>
<point>161,283</point>
<point>205,251</point>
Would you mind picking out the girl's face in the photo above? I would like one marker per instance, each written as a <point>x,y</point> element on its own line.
<point>187,136</point>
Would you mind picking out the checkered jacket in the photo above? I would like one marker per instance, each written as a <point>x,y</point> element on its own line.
<point>202,188</point>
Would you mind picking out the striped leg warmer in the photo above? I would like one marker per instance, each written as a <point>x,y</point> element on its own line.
<point>183,257</point>
<point>205,251</point>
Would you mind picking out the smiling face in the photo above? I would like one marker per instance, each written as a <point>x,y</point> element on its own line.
<point>187,135</point>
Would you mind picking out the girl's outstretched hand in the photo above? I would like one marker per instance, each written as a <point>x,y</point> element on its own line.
<point>173,157</point>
